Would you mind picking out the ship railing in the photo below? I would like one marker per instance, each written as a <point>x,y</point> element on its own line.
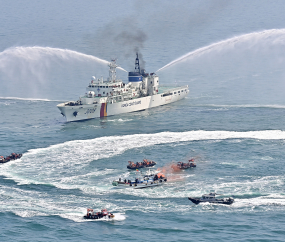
<point>179,88</point>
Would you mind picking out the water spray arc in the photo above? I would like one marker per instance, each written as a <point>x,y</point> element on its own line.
<point>34,53</point>
<point>279,35</point>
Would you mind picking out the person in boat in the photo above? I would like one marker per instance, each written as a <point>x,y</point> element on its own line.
<point>160,175</point>
<point>89,212</point>
<point>104,212</point>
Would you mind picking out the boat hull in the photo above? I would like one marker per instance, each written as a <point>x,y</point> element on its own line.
<point>139,167</point>
<point>217,201</point>
<point>94,217</point>
<point>99,110</point>
<point>141,185</point>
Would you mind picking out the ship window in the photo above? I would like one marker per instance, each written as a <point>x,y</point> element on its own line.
<point>182,91</point>
<point>103,92</point>
<point>178,91</point>
<point>100,86</point>
<point>174,92</point>
<point>103,86</point>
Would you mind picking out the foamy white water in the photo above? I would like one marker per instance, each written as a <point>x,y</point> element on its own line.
<point>45,165</point>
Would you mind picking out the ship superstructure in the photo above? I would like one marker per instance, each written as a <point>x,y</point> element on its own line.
<point>113,96</point>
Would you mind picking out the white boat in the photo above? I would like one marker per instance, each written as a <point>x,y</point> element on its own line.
<point>142,181</point>
<point>113,97</point>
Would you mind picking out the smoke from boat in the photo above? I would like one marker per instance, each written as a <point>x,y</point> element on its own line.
<point>170,172</point>
<point>122,40</point>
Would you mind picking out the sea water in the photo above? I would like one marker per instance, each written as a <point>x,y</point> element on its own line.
<point>231,54</point>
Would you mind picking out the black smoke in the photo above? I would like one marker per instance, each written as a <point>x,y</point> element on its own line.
<point>121,40</point>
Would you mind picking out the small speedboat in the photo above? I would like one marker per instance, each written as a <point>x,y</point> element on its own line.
<point>13,156</point>
<point>138,165</point>
<point>142,181</point>
<point>104,214</point>
<point>211,198</point>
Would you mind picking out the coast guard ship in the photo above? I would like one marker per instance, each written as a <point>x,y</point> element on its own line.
<point>112,97</point>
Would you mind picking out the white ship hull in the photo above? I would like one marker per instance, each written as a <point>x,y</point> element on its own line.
<point>99,110</point>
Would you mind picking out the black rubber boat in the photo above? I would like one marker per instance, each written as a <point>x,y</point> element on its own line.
<point>13,156</point>
<point>104,214</point>
<point>184,165</point>
<point>138,165</point>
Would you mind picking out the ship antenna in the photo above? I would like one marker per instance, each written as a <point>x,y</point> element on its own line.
<point>137,66</point>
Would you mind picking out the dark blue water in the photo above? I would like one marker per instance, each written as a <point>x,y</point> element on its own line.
<point>232,122</point>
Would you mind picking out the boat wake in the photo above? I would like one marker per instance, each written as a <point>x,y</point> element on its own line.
<point>49,165</point>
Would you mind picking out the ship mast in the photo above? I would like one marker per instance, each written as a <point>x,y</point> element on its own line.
<point>112,71</point>
<point>137,66</point>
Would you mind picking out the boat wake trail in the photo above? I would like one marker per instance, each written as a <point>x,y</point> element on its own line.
<point>50,165</point>
<point>77,165</point>
<point>262,38</point>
